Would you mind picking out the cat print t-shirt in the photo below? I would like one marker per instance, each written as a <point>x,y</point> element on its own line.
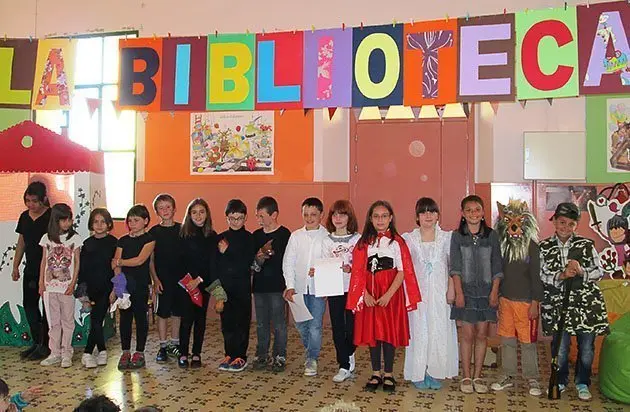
<point>59,261</point>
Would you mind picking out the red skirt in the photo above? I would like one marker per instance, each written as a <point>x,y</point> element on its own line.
<point>388,324</point>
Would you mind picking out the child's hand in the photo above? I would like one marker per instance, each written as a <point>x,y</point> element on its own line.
<point>70,290</point>
<point>193,284</point>
<point>288,295</point>
<point>32,393</point>
<point>218,306</point>
<point>223,245</point>
<point>532,313</point>
<point>459,301</point>
<point>311,272</point>
<point>157,286</point>
<point>384,300</point>
<point>42,288</point>
<point>575,266</point>
<point>368,299</point>
<point>493,299</point>
<point>15,275</point>
<point>346,268</point>
<point>112,297</point>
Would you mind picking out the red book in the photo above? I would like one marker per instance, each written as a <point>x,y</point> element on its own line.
<point>195,294</point>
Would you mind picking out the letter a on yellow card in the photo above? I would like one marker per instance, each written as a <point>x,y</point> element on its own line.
<point>54,74</point>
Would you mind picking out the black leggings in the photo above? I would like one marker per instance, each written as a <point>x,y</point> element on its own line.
<point>193,316</point>
<point>97,315</point>
<point>137,311</point>
<point>30,302</point>
<point>388,353</point>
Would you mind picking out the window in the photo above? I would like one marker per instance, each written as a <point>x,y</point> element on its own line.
<point>96,77</point>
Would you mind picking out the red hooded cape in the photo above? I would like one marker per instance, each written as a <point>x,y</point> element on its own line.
<point>390,323</point>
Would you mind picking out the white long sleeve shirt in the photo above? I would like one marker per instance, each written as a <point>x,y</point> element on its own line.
<point>304,247</point>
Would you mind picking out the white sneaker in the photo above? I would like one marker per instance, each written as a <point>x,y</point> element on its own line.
<point>310,367</point>
<point>101,358</point>
<point>352,363</point>
<point>583,393</point>
<point>503,383</point>
<point>51,361</point>
<point>342,375</point>
<point>66,362</point>
<point>88,361</point>
<point>534,387</point>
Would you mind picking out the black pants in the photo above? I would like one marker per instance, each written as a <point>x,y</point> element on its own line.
<point>137,311</point>
<point>193,316</point>
<point>342,322</point>
<point>235,321</point>
<point>36,318</point>
<point>388,353</point>
<point>97,316</point>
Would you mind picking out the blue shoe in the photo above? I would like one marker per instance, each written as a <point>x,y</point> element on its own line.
<point>432,383</point>
<point>420,385</point>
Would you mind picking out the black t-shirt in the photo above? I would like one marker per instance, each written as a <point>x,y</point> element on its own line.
<point>199,256</point>
<point>136,275</point>
<point>270,278</point>
<point>166,252</point>
<point>32,232</point>
<point>95,268</point>
<point>234,265</point>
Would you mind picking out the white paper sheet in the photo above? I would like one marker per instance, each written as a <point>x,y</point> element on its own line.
<point>298,309</point>
<point>328,277</point>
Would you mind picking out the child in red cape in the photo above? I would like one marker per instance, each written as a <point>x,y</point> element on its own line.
<point>381,263</point>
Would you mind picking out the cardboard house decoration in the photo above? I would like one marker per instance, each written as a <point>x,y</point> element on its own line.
<point>73,174</point>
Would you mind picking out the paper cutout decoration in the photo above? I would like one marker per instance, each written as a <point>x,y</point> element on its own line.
<point>17,71</point>
<point>328,68</point>
<point>93,105</point>
<point>140,74</point>
<point>377,65</point>
<point>603,48</point>
<point>184,73</point>
<point>486,59</point>
<point>231,72</point>
<point>279,70</point>
<point>194,293</point>
<point>430,63</point>
<point>53,83</point>
<point>546,49</point>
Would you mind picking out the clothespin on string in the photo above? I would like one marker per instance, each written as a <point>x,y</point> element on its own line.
<point>412,22</point>
<point>263,32</point>
<point>467,16</point>
<point>565,6</point>
<point>30,38</point>
<point>169,34</point>
<point>394,23</point>
<point>504,11</point>
<point>361,25</point>
<point>154,36</point>
<point>343,26</point>
<point>312,29</point>
<point>447,17</point>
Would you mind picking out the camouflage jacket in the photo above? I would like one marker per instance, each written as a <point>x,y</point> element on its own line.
<point>586,312</point>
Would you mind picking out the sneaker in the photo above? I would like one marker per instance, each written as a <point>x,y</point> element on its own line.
<point>534,387</point>
<point>162,356</point>
<point>124,361</point>
<point>237,365</point>
<point>503,383</point>
<point>173,350</point>
<point>279,364</point>
<point>260,363</point>
<point>432,383</point>
<point>51,361</point>
<point>310,367</point>
<point>225,364</point>
<point>183,362</point>
<point>137,361</point>
<point>66,362</point>
<point>88,361</point>
<point>101,358</point>
<point>352,363</point>
<point>342,375</point>
<point>583,393</point>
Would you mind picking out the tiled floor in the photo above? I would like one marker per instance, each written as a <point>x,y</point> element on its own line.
<point>207,389</point>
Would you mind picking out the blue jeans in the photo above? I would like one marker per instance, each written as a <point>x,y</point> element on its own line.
<point>584,362</point>
<point>311,330</point>
<point>270,308</point>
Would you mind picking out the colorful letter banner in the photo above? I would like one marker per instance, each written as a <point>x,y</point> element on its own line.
<point>328,68</point>
<point>280,63</point>
<point>430,63</point>
<point>140,74</point>
<point>603,48</point>
<point>53,83</point>
<point>377,65</point>
<point>16,82</point>
<point>184,73</point>
<point>486,59</point>
<point>546,49</point>
<point>231,72</point>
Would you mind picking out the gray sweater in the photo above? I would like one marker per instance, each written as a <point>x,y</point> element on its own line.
<point>521,281</point>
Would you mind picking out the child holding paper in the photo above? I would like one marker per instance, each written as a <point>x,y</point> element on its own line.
<point>305,245</point>
<point>342,224</point>
<point>199,259</point>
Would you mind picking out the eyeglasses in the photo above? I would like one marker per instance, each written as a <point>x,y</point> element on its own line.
<point>236,219</point>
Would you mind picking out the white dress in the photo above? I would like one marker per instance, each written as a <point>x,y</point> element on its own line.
<point>433,345</point>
